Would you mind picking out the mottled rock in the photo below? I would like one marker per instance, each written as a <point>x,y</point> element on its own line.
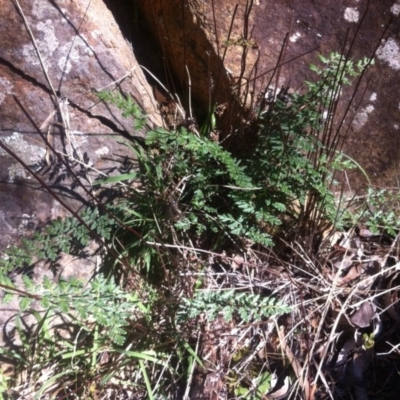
<point>82,50</point>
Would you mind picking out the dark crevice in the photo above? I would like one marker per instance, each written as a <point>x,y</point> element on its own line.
<point>103,120</point>
<point>23,75</point>
<point>107,122</point>
<point>146,49</point>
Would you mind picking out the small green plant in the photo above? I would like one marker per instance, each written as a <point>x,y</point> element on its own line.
<point>368,340</point>
<point>200,188</point>
<point>378,210</point>
<point>127,105</point>
<point>94,316</point>
<point>197,187</point>
<point>230,305</point>
<point>67,235</point>
<point>337,71</point>
<point>4,384</point>
<point>260,387</point>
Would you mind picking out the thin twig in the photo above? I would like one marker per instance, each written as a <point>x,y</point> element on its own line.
<point>44,69</point>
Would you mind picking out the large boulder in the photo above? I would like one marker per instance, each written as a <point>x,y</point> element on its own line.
<point>54,56</point>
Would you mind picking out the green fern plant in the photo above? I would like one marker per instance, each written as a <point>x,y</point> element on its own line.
<point>63,235</point>
<point>126,104</point>
<point>101,302</point>
<point>378,210</point>
<point>196,187</point>
<point>230,305</point>
<point>200,188</point>
<point>296,153</point>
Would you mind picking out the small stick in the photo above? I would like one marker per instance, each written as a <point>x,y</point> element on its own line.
<point>36,47</point>
<point>309,389</point>
<point>59,103</point>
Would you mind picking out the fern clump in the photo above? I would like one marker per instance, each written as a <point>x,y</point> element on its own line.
<point>188,196</point>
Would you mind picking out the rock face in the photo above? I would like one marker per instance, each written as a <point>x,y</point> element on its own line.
<point>82,50</point>
<point>214,38</point>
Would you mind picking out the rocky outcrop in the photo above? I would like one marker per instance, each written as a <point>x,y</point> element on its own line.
<point>54,56</point>
<point>220,45</point>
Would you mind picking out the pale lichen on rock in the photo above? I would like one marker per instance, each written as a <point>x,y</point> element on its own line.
<point>6,88</point>
<point>395,9</point>
<point>390,53</point>
<point>351,14</point>
<point>21,147</point>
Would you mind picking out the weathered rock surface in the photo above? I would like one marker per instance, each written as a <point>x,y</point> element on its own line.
<point>82,50</point>
<point>199,36</point>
